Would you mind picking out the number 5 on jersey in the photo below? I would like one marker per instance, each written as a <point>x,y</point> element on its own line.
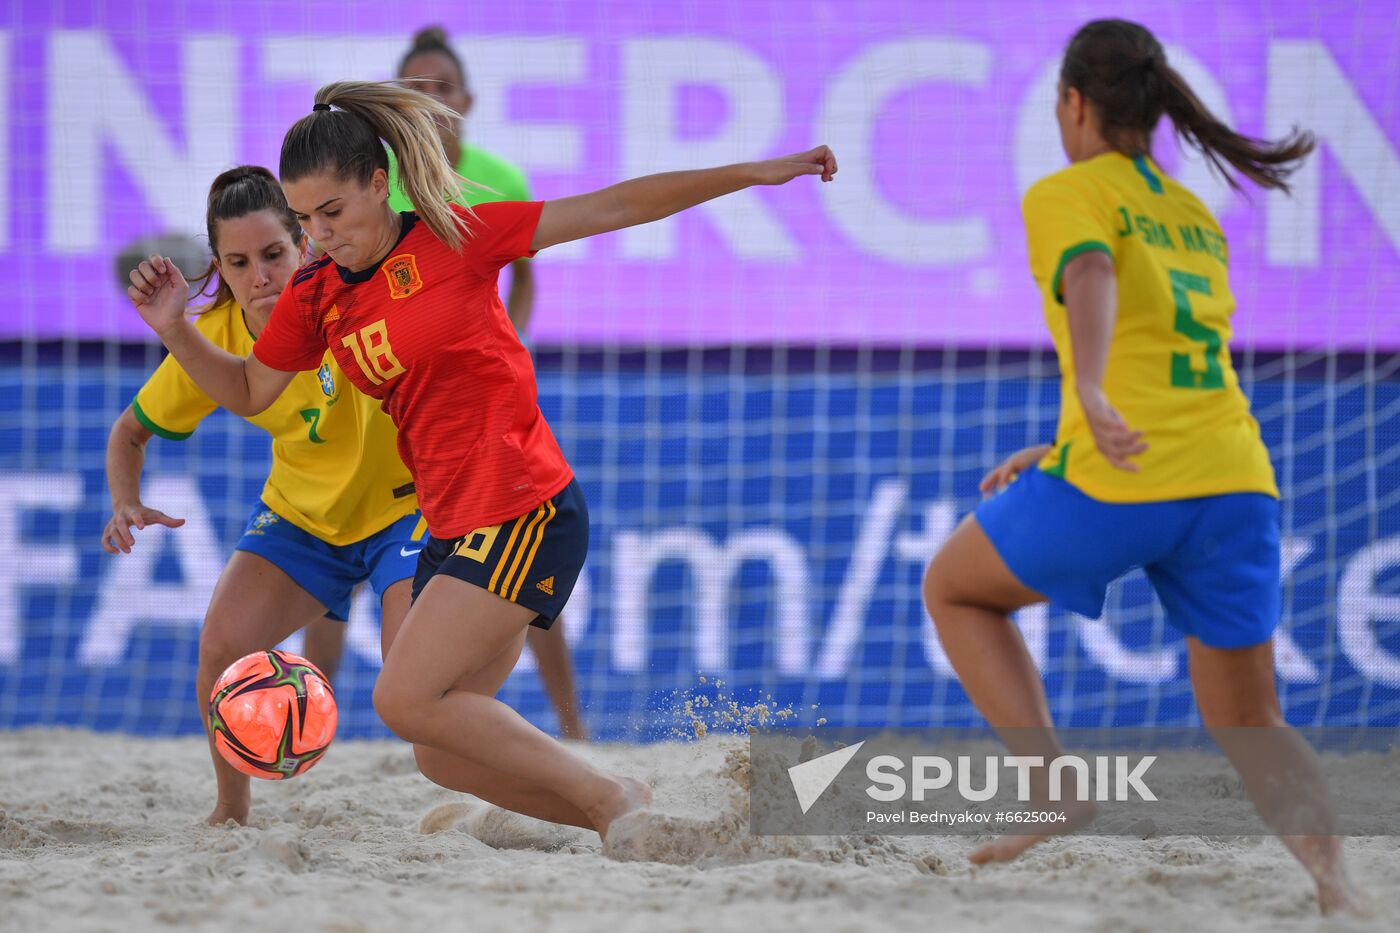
<point>1183,376</point>
<point>370,344</point>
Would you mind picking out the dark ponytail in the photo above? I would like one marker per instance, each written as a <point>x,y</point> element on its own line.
<point>239,192</point>
<point>1122,69</point>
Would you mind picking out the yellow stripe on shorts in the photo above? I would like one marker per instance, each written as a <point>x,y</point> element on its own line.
<point>525,545</point>
<point>505,555</point>
<point>530,560</point>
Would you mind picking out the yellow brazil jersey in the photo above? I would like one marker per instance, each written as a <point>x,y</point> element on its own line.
<point>336,471</point>
<point>1169,372</point>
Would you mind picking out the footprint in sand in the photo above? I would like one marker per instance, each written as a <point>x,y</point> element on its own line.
<point>443,816</point>
<point>286,848</point>
<point>17,836</point>
<point>498,828</point>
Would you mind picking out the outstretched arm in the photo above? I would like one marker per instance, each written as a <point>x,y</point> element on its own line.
<point>244,386</point>
<point>126,454</point>
<point>652,197</point>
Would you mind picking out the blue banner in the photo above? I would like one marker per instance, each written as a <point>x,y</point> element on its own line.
<point>761,522</point>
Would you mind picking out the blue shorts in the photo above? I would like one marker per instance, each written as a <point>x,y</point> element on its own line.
<point>1213,561</point>
<point>330,572</point>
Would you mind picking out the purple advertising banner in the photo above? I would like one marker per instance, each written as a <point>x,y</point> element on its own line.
<point>115,116</point>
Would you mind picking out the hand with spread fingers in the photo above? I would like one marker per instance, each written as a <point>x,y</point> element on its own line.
<point>117,535</point>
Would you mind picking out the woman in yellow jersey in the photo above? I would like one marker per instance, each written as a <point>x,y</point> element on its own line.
<point>1157,462</point>
<point>338,507</point>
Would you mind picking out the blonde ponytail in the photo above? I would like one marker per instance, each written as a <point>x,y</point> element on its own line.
<point>349,141</point>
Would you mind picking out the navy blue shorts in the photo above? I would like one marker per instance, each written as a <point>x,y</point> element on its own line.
<point>331,572</point>
<point>1213,561</point>
<point>533,561</point>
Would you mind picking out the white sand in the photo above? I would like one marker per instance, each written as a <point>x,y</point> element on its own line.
<point>104,832</point>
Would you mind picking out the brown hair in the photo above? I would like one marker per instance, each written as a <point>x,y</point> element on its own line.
<point>239,192</point>
<point>433,40</point>
<point>349,141</point>
<point>1122,69</point>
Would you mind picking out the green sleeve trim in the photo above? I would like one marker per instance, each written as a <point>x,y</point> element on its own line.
<point>154,428</point>
<point>1088,246</point>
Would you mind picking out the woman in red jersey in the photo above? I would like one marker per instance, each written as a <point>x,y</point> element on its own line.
<point>409,306</point>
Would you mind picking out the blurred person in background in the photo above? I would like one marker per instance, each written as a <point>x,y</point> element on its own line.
<point>436,70</point>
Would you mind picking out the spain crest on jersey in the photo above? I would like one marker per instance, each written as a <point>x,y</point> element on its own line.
<point>327,380</point>
<point>402,273</point>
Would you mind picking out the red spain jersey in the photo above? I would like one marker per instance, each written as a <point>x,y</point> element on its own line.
<point>425,332</point>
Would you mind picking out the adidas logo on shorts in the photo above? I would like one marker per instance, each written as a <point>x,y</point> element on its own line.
<point>546,586</point>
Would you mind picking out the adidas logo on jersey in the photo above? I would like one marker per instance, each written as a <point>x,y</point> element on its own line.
<point>546,586</point>
<point>332,315</point>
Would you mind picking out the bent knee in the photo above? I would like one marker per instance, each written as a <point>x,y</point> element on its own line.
<point>400,707</point>
<point>936,589</point>
<point>393,706</point>
<point>220,647</point>
<point>942,587</point>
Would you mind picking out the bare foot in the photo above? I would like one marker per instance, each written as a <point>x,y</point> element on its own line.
<point>223,812</point>
<point>1335,898</point>
<point>1078,814</point>
<point>630,795</point>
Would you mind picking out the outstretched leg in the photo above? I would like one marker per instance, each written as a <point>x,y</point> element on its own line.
<point>458,634</point>
<point>970,594</point>
<point>493,786</point>
<point>254,607</point>
<point>1238,699</point>
<point>462,774</point>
